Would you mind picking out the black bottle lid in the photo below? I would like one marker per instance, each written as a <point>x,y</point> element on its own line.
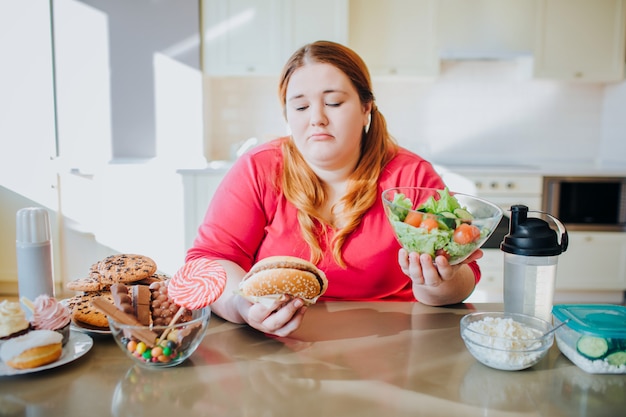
<point>530,236</point>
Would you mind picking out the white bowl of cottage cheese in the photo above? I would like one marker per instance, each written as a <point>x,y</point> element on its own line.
<point>506,341</point>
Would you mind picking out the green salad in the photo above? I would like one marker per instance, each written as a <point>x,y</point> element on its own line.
<point>437,227</point>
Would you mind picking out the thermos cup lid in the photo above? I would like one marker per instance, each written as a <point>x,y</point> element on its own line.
<point>32,225</point>
<point>530,236</point>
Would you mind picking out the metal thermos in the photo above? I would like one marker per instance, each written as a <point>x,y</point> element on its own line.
<point>35,273</point>
<point>531,252</point>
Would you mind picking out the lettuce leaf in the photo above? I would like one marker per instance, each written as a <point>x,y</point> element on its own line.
<point>446,203</point>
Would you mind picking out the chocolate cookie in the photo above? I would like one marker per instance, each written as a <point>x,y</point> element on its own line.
<point>83,312</point>
<point>87,284</point>
<point>125,268</point>
<point>156,277</point>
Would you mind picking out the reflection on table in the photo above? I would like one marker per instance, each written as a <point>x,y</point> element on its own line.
<point>348,359</point>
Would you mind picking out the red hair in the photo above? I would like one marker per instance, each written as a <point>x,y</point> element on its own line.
<point>302,187</point>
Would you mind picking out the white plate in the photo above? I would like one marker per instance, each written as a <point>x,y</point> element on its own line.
<point>84,329</point>
<point>76,346</point>
<point>89,330</point>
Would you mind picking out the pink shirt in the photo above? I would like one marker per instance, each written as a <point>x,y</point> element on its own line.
<point>248,219</point>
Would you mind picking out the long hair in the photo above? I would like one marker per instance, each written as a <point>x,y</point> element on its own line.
<point>303,188</point>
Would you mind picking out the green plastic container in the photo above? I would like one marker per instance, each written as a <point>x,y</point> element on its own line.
<point>594,337</point>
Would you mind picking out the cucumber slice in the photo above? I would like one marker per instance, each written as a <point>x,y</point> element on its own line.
<point>618,344</point>
<point>617,358</point>
<point>447,223</point>
<point>592,347</point>
<point>463,214</point>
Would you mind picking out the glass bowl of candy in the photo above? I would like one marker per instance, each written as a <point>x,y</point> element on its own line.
<point>440,222</point>
<point>162,346</point>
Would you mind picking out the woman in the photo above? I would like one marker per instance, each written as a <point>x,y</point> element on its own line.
<point>316,195</point>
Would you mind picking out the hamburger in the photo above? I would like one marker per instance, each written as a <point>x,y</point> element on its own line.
<point>273,277</point>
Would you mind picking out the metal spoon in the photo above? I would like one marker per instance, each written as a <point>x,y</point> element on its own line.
<point>555,328</point>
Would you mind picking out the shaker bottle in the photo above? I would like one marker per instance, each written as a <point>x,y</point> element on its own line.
<point>531,252</point>
<point>34,254</point>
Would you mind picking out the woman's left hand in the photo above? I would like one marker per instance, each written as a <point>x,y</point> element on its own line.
<point>427,275</point>
<point>280,319</point>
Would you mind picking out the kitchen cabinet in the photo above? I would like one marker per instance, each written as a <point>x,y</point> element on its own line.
<point>485,29</point>
<point>241,37</point>
<point>491,285</point>
<point>593,261</point>
<point>27,104</point>
<point>396,37</point>
<point>198,189</point>
<point>256,37</point>
<point>580,40</point>
<point>307,21</point>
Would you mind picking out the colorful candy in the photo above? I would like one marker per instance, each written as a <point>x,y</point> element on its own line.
<point>197,284</point>
<point>164,352</point>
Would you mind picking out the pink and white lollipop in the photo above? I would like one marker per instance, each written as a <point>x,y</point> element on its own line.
<point>197,284</point>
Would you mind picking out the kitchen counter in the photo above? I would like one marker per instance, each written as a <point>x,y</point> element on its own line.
<point>348,359</point>
<point>579,169</point>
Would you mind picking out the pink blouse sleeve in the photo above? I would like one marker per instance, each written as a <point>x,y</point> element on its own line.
<point>233,226</point>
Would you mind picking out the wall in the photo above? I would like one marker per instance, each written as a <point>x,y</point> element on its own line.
<point>477,112</point>
<point>107,54</point>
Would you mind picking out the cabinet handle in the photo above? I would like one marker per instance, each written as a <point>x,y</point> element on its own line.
<point>510,185</point>
<point>494,185</point>
<point>79,173</point>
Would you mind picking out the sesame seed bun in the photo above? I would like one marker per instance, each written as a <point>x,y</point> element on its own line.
<point>278,275</point>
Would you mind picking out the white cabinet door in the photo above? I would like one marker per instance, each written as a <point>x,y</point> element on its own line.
<point>27,113</point>
<point>255,37</point>
<point>241,36</point>
<point>199,188</point>
<point>307,21</point>
<point>492,269</point>
<point>580,40</point>
<point>396,37</point>
<point>593,261</point>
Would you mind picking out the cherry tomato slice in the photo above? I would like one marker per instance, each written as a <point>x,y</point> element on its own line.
<point>466,233</point>
<point>414,218</point>
<point>429,223</point>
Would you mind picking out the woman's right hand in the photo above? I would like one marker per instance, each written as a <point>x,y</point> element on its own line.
<point>280,318</point>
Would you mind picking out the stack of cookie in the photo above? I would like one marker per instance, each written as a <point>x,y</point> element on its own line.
<point>128,269</point>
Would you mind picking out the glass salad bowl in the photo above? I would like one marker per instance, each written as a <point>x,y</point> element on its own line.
<point>440,222</point>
